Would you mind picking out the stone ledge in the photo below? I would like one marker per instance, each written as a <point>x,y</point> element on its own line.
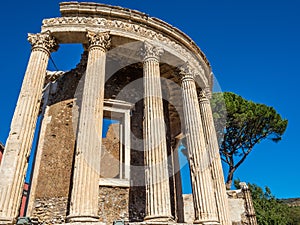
<point>112,182</point>
<point>82,223</point>
<point>6,221</point>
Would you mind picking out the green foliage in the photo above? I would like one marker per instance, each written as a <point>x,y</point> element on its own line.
<point>269,210</point>
<point>294,215</point>
<point>240,125</point>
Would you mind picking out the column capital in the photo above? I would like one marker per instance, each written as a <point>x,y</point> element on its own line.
<point>205,95</point>
<point>208,92</point>
<point>44,41</point>
<point>150,51</point>
<point>187,72</point>
<point>99,39</point>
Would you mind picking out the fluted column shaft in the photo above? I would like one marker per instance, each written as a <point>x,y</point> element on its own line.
<point>248,204</point>
<point>215,160</point>
<point>19,142</point>
<point>202,187</point>
<point>157,179</point>
<point>84,198</point>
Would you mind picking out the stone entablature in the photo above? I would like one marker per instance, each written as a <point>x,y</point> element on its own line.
<point>76,9</point>
<point>140,28</point>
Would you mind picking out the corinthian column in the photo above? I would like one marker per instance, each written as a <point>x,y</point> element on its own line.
<point>19,142</point>
<point>202,186</point>
<point>157,179</point>
<point>84,198</point>
<point>215,160</point>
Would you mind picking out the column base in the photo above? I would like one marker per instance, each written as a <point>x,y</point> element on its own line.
<point>82,219</point>
<point>158,223</point>
<point>126,223</point>
<point>158,219</point>
<point>7,221</point>
<point>201,222</point>
<point>82,223</point>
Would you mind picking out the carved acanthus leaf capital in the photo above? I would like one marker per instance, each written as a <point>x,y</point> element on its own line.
<point>186,71</point>
<point>150,51</point>
<point>44,41</point>
<point>100,39</point>
<point>208,92</point>
<point>204,96</point>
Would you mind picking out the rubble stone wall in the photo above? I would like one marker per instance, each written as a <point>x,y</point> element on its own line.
<point>113,204</point>
<point>50,210</point>
<point>238,212</point>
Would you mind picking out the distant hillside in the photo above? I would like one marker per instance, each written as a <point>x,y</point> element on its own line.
<point>291,201</point>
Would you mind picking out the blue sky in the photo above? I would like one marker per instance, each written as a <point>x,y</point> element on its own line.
<point>253,47</point>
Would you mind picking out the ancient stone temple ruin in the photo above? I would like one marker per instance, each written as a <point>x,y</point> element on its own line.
<point>111,128</point>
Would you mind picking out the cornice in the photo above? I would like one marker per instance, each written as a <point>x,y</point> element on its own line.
<point>144,33</point>
<point>94,10</point>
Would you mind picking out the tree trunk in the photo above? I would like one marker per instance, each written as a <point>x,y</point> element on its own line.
<point>229,178</point>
